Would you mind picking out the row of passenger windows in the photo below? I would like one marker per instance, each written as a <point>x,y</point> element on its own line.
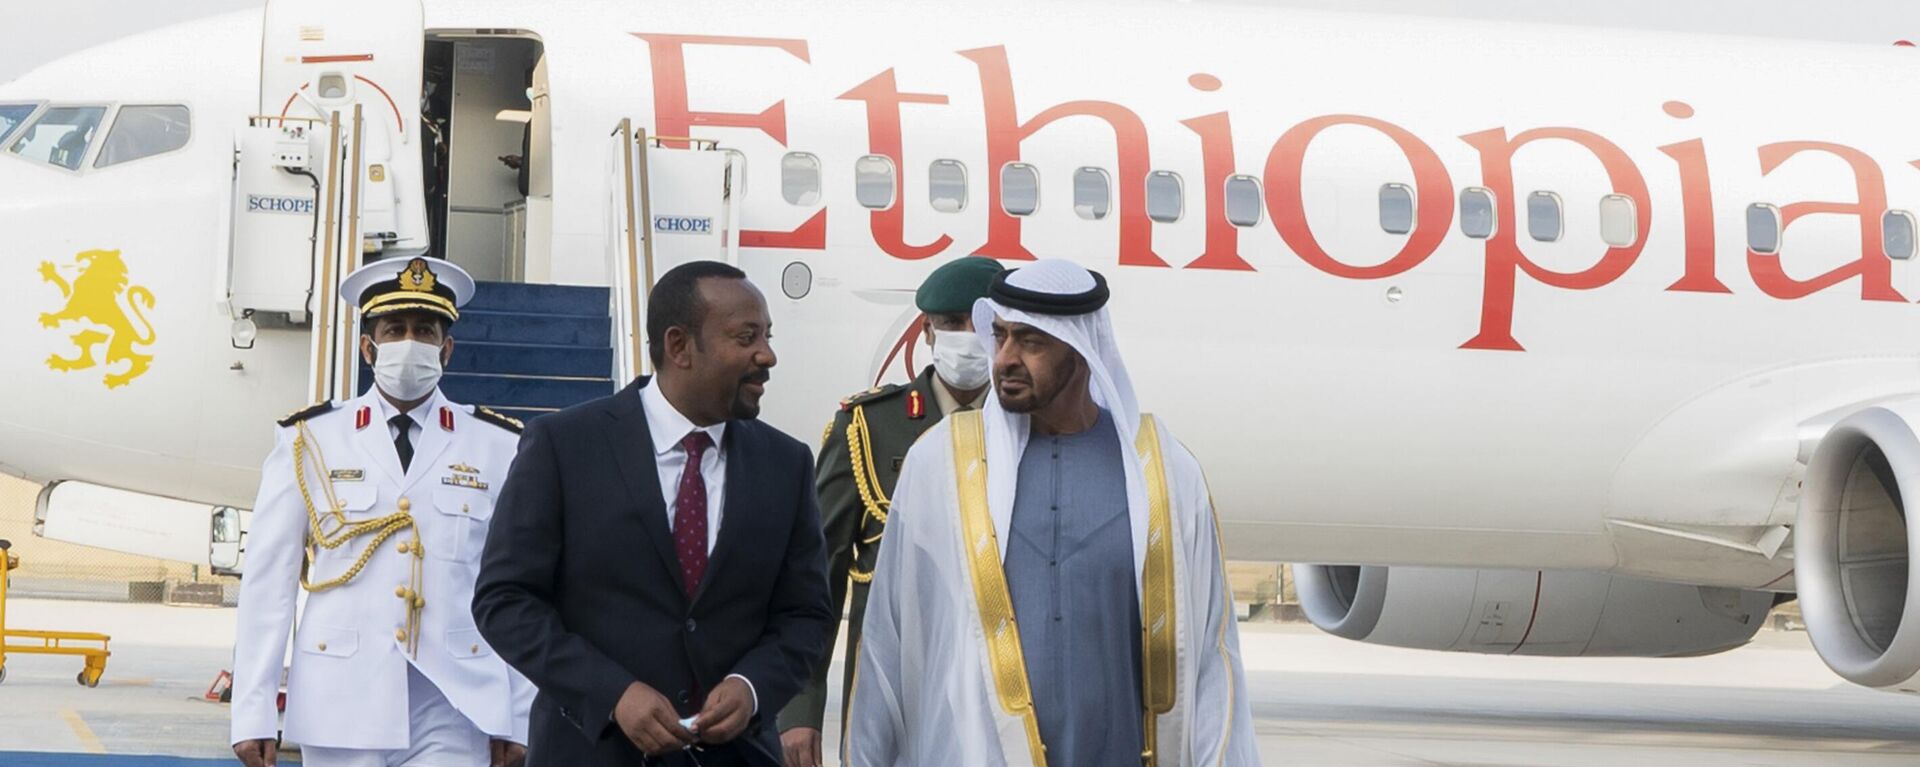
<point>61,136</point>
<point>874,187</point>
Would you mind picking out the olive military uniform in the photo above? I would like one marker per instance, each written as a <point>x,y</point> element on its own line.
<point>859,463</point>
<point>860,459</point>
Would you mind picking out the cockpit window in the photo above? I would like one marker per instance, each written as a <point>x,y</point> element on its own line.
<point>11,115</point>
<point>144,131</point>
<point>60,136</point>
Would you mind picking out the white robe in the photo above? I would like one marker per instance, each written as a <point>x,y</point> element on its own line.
<point>924,691</point>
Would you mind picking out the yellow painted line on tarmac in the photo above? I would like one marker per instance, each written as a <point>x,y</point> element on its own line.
<point>88,740</point>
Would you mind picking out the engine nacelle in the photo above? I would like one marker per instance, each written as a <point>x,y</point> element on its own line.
<point>1527,612</point>
<point>1855,557</point>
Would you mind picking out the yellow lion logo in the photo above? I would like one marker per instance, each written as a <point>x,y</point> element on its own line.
<point>94,298</point>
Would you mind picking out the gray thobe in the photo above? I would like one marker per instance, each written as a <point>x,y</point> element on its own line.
<point>1070,572</point>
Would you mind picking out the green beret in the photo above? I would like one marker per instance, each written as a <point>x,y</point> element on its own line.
<point>953,287</point>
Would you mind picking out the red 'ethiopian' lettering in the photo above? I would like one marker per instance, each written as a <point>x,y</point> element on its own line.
<point>1004,134</point>
<point>1433,195</point>
<point>673,117</point>
<point>1216,159</point>
<point>883,99</point>
<point>1505,260</point>
<point>1872,267</point>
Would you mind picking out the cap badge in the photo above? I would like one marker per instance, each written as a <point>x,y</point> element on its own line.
<point>417,277</point>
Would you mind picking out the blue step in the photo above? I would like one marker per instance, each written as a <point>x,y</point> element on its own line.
<point>496,391</point>
<point>531,359</point>
<point>530,328</point>
<point>525,298</point>
<point>526,350</point>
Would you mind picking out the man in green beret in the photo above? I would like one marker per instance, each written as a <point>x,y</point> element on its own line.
<point>860,460</point>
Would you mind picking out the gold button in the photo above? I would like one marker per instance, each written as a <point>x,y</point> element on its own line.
<point>403,547</point>
<point>405,504</point>
<point>463,508</point>
<point>400,591</point>
<point>399,635</point>
<point>420,603</point>
<point>323,646</point>
<point>474,649</point>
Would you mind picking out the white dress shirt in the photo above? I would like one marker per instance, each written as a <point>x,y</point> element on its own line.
<point>669,428</point>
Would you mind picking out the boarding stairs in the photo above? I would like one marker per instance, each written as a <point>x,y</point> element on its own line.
<point>525,350</point>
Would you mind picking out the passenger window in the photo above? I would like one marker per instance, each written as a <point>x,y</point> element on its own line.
<point>1243,200</point>
<point>947,186</point>
<point>144,131</point>
<point>1396,208</point>
<point>1019,189</point>
<point>1896,234</point>
<point>1091,193</point>
<point>1166,196</point>
<point>1763,229</point>
<point>1543,216</point>
<point>11,115</point>
<point>873,181</point>
<point>1618,224</point>
<point>800,179</point>
<point>1476,212</point>
<point>60,136</point>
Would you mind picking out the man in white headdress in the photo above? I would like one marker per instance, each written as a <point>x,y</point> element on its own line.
<point>1050,590</point>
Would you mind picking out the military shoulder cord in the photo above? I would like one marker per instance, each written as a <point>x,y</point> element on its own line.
<point>867,480</point>
<point>381,528</point>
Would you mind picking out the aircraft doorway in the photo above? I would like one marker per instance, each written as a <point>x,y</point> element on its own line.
<point>487,153</point>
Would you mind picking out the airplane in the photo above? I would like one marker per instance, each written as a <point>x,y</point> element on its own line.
<point>1546,340</point>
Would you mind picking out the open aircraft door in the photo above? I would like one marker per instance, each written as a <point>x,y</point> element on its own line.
<point>674,201</point>
<point>328,173</point>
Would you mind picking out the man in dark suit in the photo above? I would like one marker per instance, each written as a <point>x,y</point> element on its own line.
<point>655,564</point>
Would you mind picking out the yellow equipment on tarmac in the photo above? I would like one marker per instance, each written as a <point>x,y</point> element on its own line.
<point>48,642</point>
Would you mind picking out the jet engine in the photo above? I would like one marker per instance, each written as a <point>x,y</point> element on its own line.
<point>1854,553</point>
<point>1527,612</point>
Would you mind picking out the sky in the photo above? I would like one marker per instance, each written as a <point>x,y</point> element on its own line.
<point>37,32</point>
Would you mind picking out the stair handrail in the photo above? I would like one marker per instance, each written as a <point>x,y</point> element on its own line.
<point>326,289</point>
<point>333,371</point>
<point>629,359</point>
<point>646,248</point>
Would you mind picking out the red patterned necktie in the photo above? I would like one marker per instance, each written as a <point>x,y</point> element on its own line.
<point>690,514</point>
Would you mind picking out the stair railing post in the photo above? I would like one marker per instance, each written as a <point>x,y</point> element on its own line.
<point>646,244</point>
<point>327,299</point>
<point>350,249</point>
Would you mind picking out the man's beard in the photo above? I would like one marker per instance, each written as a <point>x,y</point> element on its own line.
<point>1035,399</point>
<point>743,409</point>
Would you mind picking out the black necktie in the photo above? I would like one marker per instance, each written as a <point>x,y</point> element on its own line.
<point>403,443</point>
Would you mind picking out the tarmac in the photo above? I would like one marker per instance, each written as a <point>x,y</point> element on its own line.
<point>1318,701</point>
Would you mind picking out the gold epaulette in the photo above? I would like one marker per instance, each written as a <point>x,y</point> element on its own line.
<point>305,413</point>
<point>507,422</point>
<point>870,395</point>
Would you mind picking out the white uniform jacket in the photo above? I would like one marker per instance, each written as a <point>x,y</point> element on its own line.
<point>347,683</point>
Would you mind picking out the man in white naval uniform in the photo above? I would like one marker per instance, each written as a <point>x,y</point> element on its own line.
<point>377,507</point>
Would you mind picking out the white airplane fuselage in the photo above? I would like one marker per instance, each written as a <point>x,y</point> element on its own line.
<point>1428,398</point>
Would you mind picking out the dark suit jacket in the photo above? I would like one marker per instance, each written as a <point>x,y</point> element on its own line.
<point>579,587</point>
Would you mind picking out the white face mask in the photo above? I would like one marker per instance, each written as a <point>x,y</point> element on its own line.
<point>406,370</point>
<point>960,359</point>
